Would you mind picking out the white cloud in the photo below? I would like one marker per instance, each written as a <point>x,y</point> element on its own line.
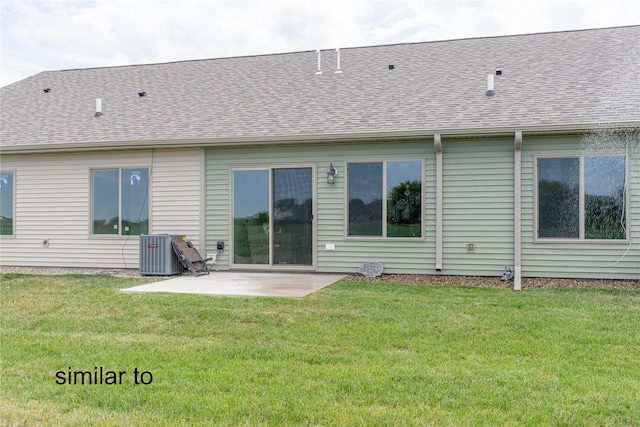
<point>46,35</point>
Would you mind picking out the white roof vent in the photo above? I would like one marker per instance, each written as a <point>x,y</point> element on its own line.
<point>98,107</point>
<point>319,67</point>
<point>490,92</point>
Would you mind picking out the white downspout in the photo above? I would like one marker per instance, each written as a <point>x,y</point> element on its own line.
<point>437,142</point>
<point>517,212</point>
<point>202,235</point>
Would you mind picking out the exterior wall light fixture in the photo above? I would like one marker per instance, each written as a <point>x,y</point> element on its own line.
<point>331,174</point>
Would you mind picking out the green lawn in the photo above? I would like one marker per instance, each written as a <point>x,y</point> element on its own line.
<point>352,354</point>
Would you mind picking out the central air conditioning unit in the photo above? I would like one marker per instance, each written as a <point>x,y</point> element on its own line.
<point>157,257</point>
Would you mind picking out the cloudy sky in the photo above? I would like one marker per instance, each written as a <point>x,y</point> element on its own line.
<point>54,35</point>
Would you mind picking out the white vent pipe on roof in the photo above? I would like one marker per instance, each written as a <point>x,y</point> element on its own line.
<point>319,68</point>
<point>98,107</point>
<point>490,92</point>
<point>338,70</point>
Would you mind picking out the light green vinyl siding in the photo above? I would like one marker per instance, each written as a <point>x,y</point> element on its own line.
<point>614,259</point>
<point>478,206</point>
<point>397,255</point>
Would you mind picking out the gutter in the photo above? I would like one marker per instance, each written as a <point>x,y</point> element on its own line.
<point>437,143</point>
<point>323,138</point>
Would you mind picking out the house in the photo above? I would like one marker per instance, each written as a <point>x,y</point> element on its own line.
<point>454,157</point>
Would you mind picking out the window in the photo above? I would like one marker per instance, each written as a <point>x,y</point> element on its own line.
<point>582,198</point>
<point>558,198</point>
<point>120,201</point>
<point>6,203</point>
<point>394,187</point>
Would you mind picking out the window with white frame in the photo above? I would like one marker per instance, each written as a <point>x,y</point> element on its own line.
<point>120,201</point>
<point>582,197</point>
<point>6,203</point>
<point>385,199</point>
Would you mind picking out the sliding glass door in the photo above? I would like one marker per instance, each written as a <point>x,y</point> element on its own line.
<point>292,216</point>
<point>250,217</point>
<point>272,213</point>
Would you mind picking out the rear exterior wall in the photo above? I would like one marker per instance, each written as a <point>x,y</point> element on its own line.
<point>478,204</point>
<point>53,199</point>
<point>413,256</point>
<point>613,259</point>
<point>478,208</point>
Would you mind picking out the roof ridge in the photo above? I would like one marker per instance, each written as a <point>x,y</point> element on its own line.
<point>182,61</point>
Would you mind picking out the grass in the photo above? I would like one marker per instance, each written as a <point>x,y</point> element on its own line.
<point>351,354</point>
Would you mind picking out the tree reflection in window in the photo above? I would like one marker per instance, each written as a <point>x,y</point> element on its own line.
<point>401,181</point>
<point>602,189</point>
<point>604,192</point>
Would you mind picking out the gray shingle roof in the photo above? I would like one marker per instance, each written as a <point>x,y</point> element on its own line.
<point>565,78</point>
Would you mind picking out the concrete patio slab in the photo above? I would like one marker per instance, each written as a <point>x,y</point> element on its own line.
<point>293,285</point>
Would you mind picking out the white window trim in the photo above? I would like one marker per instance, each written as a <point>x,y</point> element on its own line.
<point>384,201</point>
<point>581,238</point>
